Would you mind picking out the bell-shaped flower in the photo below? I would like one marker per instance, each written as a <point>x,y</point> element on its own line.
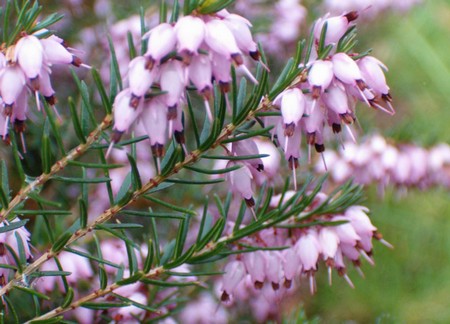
<point>56,53</point>
<point>221,68</point>
<point>161,41</point>
<point>248,147</point>
<point>336,26</point>
<point>274,268</point>
<point>190,33</point>
<point>241,182</point>
<point>359,220</point>
<point>291,265</point>
<point>271,163</point>
<point>200,72</point>
<point>308,249</point>
<point>240,27</point>
<point>154,119</point>
<point>320,76</point>
<point>336,99</point>
<point>255,263</point>
<point>221,40</point>
<point>346,70</point>
<point>372,72</point>
<point>234,274</point>
<point>124,114</point>
<point>46,88</point>
<point>12,81</point>
<point>292,109</point>
<point>329,242</point>
<point>172,81</point>
<point>345,231</point>
<point>140,79</point>
<point>30,55</point>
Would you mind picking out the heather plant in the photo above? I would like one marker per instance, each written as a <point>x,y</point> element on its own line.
<point>175,203</point>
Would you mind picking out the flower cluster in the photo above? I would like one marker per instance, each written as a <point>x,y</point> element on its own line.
<point>330,92</point>
<point>25,67</point>
<point>380,162</point>
<point>194,51</point>
<point>267,271</point>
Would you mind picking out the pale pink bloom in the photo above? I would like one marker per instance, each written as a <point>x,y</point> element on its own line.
<point>320,76</point>
<point>56,53</point>
<point>271,163</point>
<point>154,119</point>
<point>200,72</point>
<point>46,88</point>
<point>292,266</point>
<point>172,81</point>
<point>372,73</point>
<point>161,41</point>
<point>221,69</point>
<point>221,40</point>
<point>29,53</point>
<point>345,231</point>
<point>346,69</point>
<point>292,107</point>
<point>190,33</point>
<point>140,79</point>
<point>336,99</point>
<point>21,108</point>
<point>290,145</point>
<point>12,82</point>
<point>359,220</point>
<point>240,27</point>
<point>274,268</point>
<point>308,249</point>
<point>336,26</point>
<point>276,198</point>
<point>241,181</point>
<point>248,147</point>
<point>234,274</point>
<point>329,242</point>
<point>255,264</point>
<point>124,114</point>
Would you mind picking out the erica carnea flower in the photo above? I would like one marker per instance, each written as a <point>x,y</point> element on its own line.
<point>378,161</point>
<point>197,50</point>
<point>328,94</point>
<point>349,240</point>
<point>25,68</point>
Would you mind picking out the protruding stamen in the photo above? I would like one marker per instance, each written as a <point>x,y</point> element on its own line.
<point>368,258</point>
<point>324,161</point>
<point>360,272</point>
<point>58,116</point>
<point>109,149</point>
<point>208,109</point>
<point>347,278</point>
<point>294,174</point>
<point>38,102</point>
<point>350,133</point>
<point>252,209</point>
<point>248,74</point>
<point>330,276</point>
<point>22,139</point>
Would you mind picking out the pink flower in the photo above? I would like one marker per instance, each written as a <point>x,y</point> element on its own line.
<point>124,114</point>
<point>336,26</point>
<point>241,182</point>
<point>190,33</point>
<point>29,53</point>
<point>221,40</point>
<point>161,41</point>
<point>172,81</point>
<point>234,274</point>
<point>320,76</point>
<point>140,79</point>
